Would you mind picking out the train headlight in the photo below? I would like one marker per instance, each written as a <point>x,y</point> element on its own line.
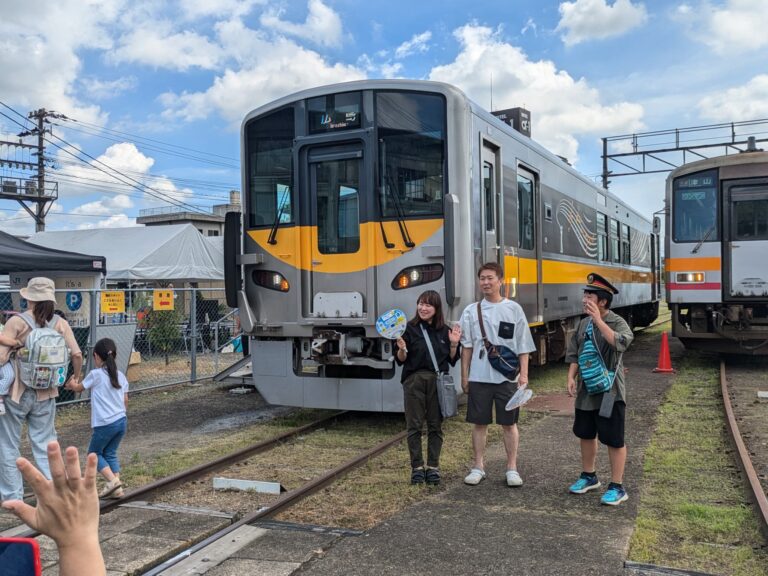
<point>690,277</point>
<point>416,275</point>
<point>271,280</point>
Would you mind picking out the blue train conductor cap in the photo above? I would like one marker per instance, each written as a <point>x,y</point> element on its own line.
<point>596,283</point>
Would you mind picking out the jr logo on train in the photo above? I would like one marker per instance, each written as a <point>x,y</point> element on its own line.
<point>359,196</point>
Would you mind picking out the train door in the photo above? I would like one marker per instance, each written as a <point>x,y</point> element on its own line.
<point>491,204</point>
<point>745,238</point>
<point>529,248</point>
<point>338,272</point>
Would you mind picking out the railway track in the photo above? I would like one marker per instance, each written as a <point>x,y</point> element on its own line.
<point>183,563</point>
<point>160,486</point>
<point>756,488</point>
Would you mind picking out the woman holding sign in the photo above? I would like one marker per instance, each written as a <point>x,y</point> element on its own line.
<point>419,381</point>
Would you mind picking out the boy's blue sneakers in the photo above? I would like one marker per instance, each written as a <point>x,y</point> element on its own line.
<point>584,484</point>
<point>614,496</point>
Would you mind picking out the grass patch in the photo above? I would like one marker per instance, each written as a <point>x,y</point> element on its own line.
<point>692,513</point>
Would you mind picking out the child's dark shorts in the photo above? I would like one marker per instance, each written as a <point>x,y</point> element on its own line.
<point>610,431</point>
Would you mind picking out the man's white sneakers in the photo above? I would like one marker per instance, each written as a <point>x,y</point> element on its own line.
<point>513,478</point>
<point>474,477</point>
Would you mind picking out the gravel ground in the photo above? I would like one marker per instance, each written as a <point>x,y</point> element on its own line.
<point>747,376</point>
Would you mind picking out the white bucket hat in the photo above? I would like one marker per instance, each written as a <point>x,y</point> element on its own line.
<point>39,289</point>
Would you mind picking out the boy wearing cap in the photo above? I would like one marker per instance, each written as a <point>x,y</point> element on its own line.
<point>611,336</point>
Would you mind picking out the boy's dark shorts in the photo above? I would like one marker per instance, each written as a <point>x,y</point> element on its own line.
<point>483,396</point>
<point>610,431</point>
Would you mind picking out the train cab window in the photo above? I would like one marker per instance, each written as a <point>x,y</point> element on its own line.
<point>525,215</point>
<point>269,170</point>
<point>615,241</point>
<point>695,207</point>
<point>411,139</point>
<point>488,197</point>
<point>626,251</point>
<point>602,238</point>
<point>338,206</point>
<point>750,218</point>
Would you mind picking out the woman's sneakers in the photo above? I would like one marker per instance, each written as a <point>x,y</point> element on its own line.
<point>418,476</point>
<point>112,489</point>
<point>433,476</point>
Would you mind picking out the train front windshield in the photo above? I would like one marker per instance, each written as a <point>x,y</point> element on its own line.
<point>695,207</point>
<point>408,177</point>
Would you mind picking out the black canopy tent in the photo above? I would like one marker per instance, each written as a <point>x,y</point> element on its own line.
<point>19,256</point>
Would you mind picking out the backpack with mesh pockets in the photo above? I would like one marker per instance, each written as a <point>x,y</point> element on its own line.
<point>44,361</point>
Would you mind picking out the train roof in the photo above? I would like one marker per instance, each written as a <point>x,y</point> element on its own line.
<point>719,161</point>
<point>447,90</point>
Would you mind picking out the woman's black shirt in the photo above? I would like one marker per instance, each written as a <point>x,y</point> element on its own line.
<point>418,355</point>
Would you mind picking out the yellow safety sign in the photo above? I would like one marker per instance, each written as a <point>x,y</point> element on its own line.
<point>163,300</point>
<point>113,302</point>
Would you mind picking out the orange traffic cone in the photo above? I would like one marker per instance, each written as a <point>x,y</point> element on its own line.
<point>664,365</point>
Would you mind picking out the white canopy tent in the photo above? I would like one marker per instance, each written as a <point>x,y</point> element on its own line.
<point>175,252</point>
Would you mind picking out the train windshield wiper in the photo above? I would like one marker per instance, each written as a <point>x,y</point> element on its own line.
<point>273,232</point>
<point>399,212</point>
<point>703,238</point>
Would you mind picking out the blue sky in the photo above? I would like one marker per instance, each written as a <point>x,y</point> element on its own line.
<point>154,76</point>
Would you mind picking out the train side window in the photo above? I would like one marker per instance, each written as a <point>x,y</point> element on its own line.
<point>525,218</point>
<point>488,196</point>
<point>547,211</point>
<point>615,242</point>
<point>602,238</point>
<point>625,245</point>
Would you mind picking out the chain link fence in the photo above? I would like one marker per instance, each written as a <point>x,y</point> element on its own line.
<point>164,336</point>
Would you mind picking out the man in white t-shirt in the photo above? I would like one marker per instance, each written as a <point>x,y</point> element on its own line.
<point>505,324</point>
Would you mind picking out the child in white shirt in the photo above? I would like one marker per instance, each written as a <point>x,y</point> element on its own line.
<point>109,399</point>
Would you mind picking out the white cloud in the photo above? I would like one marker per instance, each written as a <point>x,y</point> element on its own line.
<point>747,102</point>
<point>156,45</point>
<point>737,26</point>
<point>530,25</point>
<point>562,107</point>
<point>268,70</point>
<point>194,9</point>
<point>39,46</point>
<point>115,221</point>
<point>106,206</point>
<point>322,26</point>
<point>104,89</point>
<point>583,20</point>
<point>417,43</point>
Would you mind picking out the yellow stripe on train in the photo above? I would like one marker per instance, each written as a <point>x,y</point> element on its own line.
<point>705,264</point>
<point>298,245</point>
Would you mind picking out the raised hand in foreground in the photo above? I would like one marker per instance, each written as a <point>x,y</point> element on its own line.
<point>67,509</point>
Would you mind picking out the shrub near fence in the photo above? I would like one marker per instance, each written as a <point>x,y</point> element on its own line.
<point>193,341</point>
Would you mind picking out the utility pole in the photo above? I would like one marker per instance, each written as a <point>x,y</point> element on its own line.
<point>32,190</point>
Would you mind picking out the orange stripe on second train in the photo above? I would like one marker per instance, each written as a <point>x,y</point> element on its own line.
<point>298,246</point>
<point>702,264</point>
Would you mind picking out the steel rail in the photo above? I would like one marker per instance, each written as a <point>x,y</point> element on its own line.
<point>283,502</point>
<point>195,472</point>
<point>745,461</point>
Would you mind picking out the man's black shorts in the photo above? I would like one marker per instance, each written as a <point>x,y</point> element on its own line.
<point>610,431</point>
<point>483,396</point>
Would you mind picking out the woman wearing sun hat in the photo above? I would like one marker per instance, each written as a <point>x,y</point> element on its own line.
<point>35,407</point>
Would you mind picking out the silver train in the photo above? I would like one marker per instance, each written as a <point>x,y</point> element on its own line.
<point>716,238</point>
<point>359,196</point>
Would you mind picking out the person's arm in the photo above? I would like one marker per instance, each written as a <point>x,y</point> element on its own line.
<point>522,379</point>
<point>454,338</point>
<point>75,355</point>
<point>466,361</point>
<point>11,342</point>
<point>573,369</point>
<point>67,510</point>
